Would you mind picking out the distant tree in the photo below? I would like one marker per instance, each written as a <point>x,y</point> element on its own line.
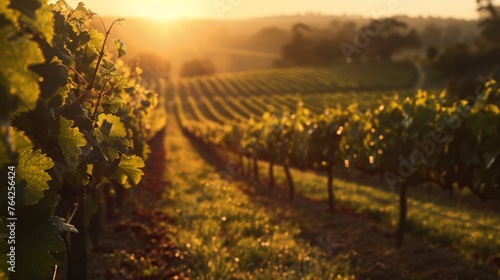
<point>269,39</point>
<point>452,34</point>
<point>298,28</point>
<point>346,35</point>
<point>431,35</point>
<point>489,22</point>
<point>461,59</point>
<point>197,67</point>
<point>457,60</point>
<point>346,31</point>
<point>392,39</point>
<point>432,53</point>
<point>325,51</point>
<point>299,50</point>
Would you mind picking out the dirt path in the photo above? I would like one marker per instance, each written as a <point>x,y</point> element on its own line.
<point>133,244</point>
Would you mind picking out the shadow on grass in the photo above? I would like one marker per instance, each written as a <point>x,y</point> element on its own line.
<point>370,244</point>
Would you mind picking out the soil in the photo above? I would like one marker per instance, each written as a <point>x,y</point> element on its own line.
<point>134,245</point>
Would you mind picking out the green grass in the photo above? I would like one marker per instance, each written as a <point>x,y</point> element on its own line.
<point>426,213</point>
<point>223,235</point>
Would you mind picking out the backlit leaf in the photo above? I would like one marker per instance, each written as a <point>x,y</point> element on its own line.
<point>129,170</point>
<point>70,139</point>
<point>120,47</point>
<point>111,135</point>
<point>31,168</point>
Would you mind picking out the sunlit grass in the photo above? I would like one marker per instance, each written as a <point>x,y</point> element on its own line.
<point>222,235</point>
<point>430,218</point>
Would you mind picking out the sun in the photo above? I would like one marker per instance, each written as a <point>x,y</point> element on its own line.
<point>160,11</point>
<point>166,10</point>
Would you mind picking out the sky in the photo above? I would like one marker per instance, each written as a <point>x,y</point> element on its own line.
<point>226,9</point>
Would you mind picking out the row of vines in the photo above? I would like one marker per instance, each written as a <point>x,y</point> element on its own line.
<point>226,98</point>
<point>74,126</point>
<point>421,139</point>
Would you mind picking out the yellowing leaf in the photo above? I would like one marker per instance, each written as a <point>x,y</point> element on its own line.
<point>111,135</point>
<point>70,139</point>
<point>111,126</point>
<point>18,85</point>
<point>129,170</point>
<point>31,168</point>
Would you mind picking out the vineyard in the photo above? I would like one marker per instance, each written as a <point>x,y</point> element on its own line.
<point>231,97</point>
<point>346,171</point>
<point>403,140</point>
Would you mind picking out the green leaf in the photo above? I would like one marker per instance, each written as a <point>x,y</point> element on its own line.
<point>120,47</point>
<point>108,66</point>
<point>42,23</point>
<point>111,104</point>
<point>31,168</point>
<point>82,12</point>
<point>55,85</point>
<point>129,170</point>
<point>34,258</point>
<point>70,139</point>
<point>18,85</point>
<point>96,41</point>
<point>111,135</point>
<point>26,7</point>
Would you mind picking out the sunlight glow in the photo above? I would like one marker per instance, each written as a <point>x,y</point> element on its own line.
<point>222,9</point>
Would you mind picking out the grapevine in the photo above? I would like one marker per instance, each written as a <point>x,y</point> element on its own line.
<point>74,120</point>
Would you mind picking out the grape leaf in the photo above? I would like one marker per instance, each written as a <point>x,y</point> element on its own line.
<point>120,47</point>
<point>34,258</point>
<point>96,41</point>
<point>31,168</point>
<point>42,23</point>
<point>111,104</point>
<point>19,86</point>
<point>70,139</point>
<point>26,7</point>
<point>111,135</point>
<point>82,13</point>
<point>128,171</point>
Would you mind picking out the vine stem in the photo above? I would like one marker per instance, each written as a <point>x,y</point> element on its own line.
<point>90,86</point>
<point>55,273</point>
<point>99,99</point>
<point>73,213</point>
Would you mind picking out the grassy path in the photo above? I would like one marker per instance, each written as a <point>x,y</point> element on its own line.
<point>241,230</point>
<point>188,221</point>
<point>223,234</point>
<point>467,229</point>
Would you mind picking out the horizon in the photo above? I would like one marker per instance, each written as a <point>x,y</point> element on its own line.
<point>244,10</point>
